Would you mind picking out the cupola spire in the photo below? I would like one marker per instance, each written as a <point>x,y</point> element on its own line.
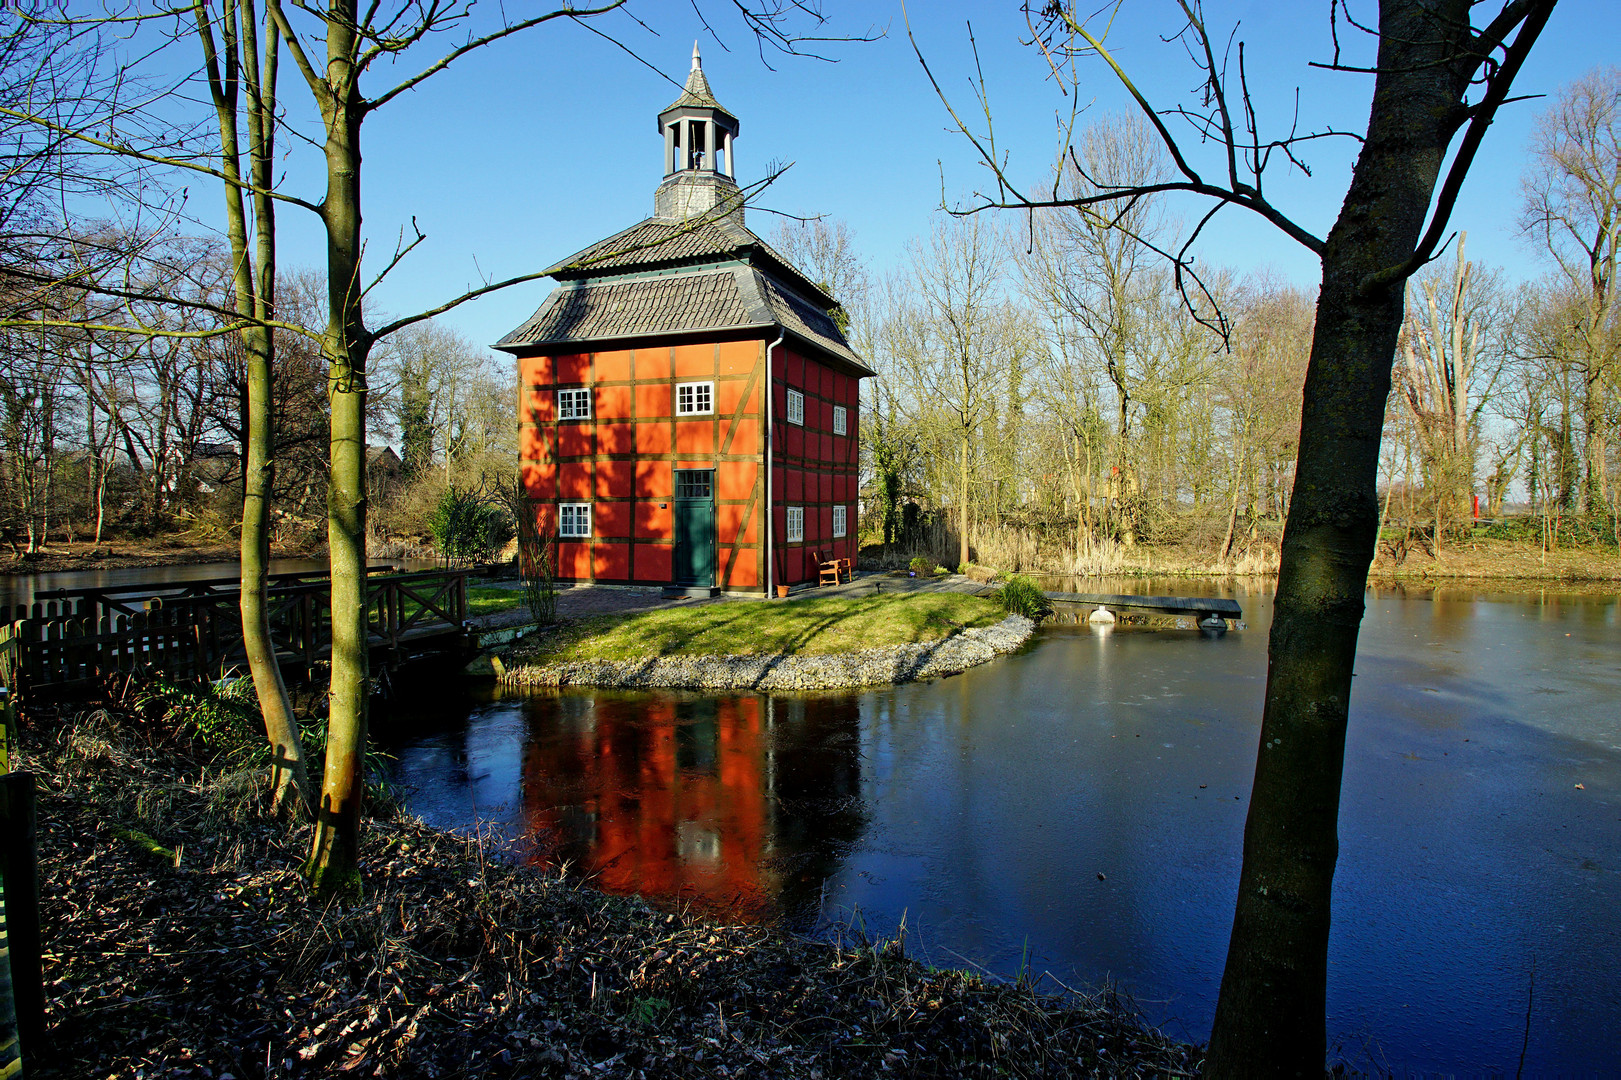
<point>699,167</point>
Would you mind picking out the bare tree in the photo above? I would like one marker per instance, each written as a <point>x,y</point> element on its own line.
<point>826,251</point>
<point>1259,392</point>
<point>960,339</point>
<point>1572,208</point>
<point>1438,83</point>
<point>1450,359</point>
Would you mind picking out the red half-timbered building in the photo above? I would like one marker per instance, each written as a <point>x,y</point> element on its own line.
<point>673,362</point>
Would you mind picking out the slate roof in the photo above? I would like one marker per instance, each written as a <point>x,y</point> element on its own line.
<point>732,297</point>
<point>696,94</point>
<point>658,242</point>
<point>616,309</point>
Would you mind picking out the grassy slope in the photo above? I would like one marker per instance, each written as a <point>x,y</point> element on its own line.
<point>814,626</point>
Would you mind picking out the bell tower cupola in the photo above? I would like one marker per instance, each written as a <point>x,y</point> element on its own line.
<point>699,162</point>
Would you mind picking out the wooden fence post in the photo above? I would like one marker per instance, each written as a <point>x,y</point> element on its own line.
<point>19,865</point>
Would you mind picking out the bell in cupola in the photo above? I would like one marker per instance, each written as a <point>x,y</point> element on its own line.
<point>700,168</point>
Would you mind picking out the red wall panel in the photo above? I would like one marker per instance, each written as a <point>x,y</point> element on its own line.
<point>652,400</point>
<point>613,402</point>
<point>694,361</point>
<point>616,479</point>
<point>653,562</point>
<point>653,522</point>
<point>616,438</point>
<point>613,562</point>
<point>739,357</point>
<point>540,479</point>
<point>574,369</point>
<point>613,366</point>
<point>611,519</point>
<point>534,369</point>
<point>654,480</point>
<point>534,443</point>
<point>573,560</point>
<point>653,363</point>
<point>573,440</point>
<point>745,569</point>
<point>539,406</point>
<point>728,520</point>
<point>574,481</point>
<point>695,436</point>
<point>745,435</point>
<point>652,438</point>
<point>735,479</point>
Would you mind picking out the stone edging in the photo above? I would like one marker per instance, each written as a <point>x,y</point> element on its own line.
<point>866,667</point>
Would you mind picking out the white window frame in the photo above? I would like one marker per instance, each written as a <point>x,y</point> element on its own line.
<point>841,425</point>
<point>694,391</point>
<point>570,530</point>
<point>795,525</point>
<point>841,521</point>
<point>796,408</point>
<point>574,403</point>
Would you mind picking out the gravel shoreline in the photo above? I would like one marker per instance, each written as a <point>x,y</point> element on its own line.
<point>866,667</point>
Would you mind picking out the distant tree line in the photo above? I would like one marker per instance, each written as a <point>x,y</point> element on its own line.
<point>1047,396</point>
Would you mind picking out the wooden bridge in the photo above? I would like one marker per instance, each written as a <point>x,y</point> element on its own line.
<point>1201,607</point>
<point>193,629</point>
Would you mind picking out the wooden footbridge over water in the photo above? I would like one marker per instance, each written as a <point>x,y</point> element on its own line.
<point>1209,610</point>
<point>193,629</point>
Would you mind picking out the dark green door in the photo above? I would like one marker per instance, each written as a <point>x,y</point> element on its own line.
<point>694,527</point>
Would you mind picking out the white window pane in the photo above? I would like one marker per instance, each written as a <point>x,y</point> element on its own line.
<point>574,519</point>
<point>840,425</point>
<point>695,398</point>
<point>574,404</point>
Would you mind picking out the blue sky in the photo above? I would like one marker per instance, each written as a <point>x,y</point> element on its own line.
<point>547,142</point>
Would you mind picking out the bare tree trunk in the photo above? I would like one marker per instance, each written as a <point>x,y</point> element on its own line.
<point>254,282</point>
<point>1271,1012</point>
<point>962,514</point>
<point>333,864</point>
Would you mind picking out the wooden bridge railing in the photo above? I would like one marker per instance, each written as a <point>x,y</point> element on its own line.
<point>193,629</point>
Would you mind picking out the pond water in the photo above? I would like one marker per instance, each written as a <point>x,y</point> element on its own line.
<point>1079,807</point>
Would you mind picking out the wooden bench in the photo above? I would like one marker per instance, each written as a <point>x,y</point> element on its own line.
<point>837,569</point>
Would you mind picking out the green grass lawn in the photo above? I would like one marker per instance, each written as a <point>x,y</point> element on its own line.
<point>487,600</point>
<point>744,627</point>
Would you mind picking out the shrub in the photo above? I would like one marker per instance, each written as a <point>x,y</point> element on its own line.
<point>220,719</point>
<point>923,564</point>
<point>1022,596</point>
<point>468,529</point>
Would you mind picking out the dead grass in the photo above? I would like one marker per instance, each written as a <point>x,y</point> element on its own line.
<point>816,626</point>
<point>214,959</point>
<point>1497,559</point>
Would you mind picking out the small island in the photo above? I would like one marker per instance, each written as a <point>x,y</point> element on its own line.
<point>824,642</point>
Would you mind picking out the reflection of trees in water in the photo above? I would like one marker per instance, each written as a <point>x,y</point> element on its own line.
<point>728,803</point>
<point>819,812</point>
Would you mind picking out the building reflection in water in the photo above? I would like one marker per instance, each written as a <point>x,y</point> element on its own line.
<point>737,805</point>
